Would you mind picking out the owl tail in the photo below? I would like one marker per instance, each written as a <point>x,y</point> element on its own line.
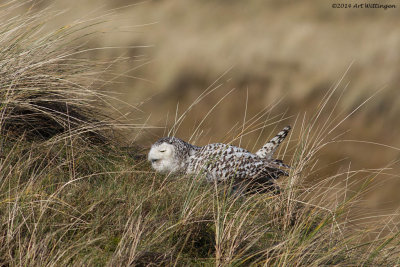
<point>269,148</point>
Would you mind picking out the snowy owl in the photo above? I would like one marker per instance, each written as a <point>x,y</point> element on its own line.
<point>219,162</point>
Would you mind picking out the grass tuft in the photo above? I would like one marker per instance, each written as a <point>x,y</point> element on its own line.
<point>45,88</point>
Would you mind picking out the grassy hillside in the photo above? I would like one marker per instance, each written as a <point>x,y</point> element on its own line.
<point>277,53</point>
<point>69,204</point>
<point>72,192</point>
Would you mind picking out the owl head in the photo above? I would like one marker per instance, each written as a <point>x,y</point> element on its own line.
<point>169,154</point>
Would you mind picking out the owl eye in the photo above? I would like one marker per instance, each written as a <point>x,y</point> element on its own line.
<point>162,151</point>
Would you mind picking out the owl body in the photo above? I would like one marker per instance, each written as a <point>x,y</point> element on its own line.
<point>218,162</point>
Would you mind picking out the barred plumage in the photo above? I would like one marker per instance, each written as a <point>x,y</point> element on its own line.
<point>269,148</point>
<point>218,162</point>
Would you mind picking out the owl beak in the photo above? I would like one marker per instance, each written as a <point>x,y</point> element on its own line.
<point>153,160</point>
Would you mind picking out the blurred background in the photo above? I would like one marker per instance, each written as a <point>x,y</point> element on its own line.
<point>270,59</point>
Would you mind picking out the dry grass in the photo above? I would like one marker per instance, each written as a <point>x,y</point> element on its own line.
<point>284,51</point>
<point>43,90</point>
<point>65,200</point>
<point>72,204</point>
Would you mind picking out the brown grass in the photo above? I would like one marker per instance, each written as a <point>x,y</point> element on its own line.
<point>65,201</point>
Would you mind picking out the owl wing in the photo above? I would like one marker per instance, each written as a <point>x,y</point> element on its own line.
<point>223,162</point>
<point>259,176</point>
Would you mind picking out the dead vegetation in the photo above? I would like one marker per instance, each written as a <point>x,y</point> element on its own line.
<point>65,201</point>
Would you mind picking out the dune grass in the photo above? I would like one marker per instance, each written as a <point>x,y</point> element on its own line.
<point>75,204</point>
<point>71,194</point>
